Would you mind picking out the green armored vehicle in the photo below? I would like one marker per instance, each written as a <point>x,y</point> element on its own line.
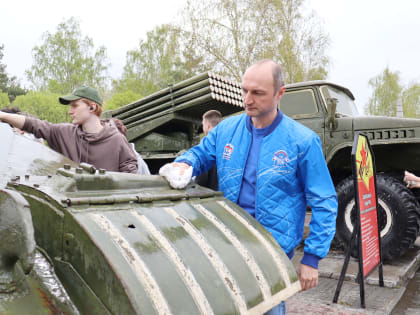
<point>330,111</point>
<point>80,240</point>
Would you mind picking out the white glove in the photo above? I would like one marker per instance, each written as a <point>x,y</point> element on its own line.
<point>172,173</point>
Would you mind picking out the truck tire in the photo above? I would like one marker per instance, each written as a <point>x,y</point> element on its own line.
<point>399,216</point>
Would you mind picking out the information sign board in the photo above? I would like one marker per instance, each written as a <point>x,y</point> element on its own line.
<point>367,206</point>
<point>366,229</point>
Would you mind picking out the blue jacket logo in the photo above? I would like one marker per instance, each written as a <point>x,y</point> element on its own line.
<point>280,159</point>
<point>227,152</point>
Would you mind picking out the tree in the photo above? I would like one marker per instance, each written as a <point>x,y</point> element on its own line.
<point>121,99</point>
<point>233,34</point>
<point>66,60</point>
<point>4,79</point>
<point>159,60</point>
<point>411,100</point>
<point>4,100</point>
<point>386,94</point>
<point>9,85</point>
<point>14,89</point>
<point>43,105</point>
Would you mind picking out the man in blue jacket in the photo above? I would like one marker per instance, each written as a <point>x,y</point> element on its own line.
<point>273,167</point>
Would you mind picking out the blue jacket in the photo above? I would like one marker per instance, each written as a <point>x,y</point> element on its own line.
<point>291,174</point>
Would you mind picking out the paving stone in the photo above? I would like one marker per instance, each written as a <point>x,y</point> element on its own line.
<point>410,301</point>
<point>378,300</point>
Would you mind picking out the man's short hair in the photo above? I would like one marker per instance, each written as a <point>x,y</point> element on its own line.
<point>213,117</point>
<point>278,76</point>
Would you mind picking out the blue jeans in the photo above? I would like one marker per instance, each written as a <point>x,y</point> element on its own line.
<point>277,310</point>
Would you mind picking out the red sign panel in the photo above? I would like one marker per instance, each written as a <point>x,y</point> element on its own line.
<point>367,206</point>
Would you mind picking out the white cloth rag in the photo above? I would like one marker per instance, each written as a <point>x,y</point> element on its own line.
<point>172,173</point>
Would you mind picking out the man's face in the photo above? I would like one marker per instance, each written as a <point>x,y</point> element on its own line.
<point>79,112</point>
<point>258,91</point>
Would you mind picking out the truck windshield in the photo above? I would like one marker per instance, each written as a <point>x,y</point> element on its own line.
<point>345,104</point>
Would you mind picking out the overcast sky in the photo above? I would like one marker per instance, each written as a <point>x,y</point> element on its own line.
<point>366,35</point>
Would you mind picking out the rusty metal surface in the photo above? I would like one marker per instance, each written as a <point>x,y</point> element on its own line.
<point>41,293</point>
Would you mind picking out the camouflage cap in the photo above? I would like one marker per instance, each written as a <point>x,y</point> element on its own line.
<point>82,92</point>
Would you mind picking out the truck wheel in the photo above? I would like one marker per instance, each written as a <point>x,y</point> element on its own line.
<point>398,209</point>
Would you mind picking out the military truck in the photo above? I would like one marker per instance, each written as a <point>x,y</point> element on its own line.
<point>330,111</point>
<point>81,240</point>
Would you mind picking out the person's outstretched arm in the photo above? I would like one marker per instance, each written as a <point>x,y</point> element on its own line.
<point>13,119</point>
<point>412,180</point>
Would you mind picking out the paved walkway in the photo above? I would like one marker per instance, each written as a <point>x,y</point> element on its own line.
<point>409,304</point>
<point>379,300</point>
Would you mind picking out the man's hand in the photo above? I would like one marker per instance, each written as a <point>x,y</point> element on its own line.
<point>412,180</point>
<point>308,277</point>
<point>177,174</point>
<point>182,167</point>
